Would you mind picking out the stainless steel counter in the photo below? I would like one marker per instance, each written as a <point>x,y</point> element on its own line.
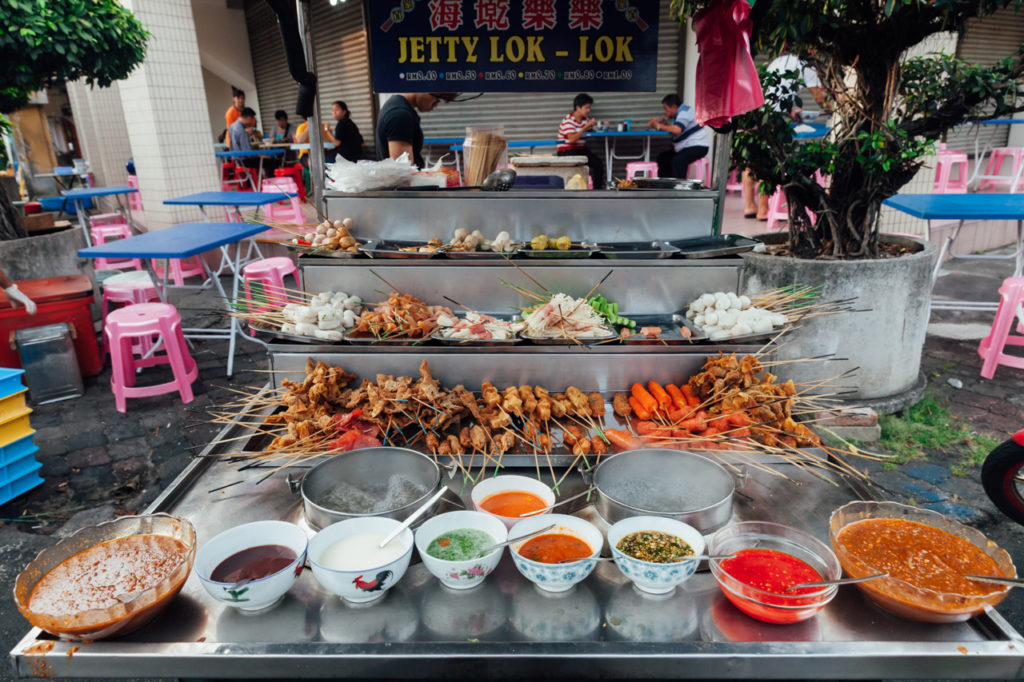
<point>506,628</point>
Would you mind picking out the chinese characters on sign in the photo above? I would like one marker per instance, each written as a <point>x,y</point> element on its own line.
<point>513,45</point>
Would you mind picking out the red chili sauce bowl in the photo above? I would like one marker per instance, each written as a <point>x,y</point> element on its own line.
<point>768,558</point>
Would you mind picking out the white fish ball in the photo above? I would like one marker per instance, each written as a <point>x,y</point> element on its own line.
<point>778,320</point>
<point>740,329</point>
<point>733,298</point>
<point>287,328</point>
<point>727,318</point>
<point>708,300</point>
<point>306,329</point>
<point>745,301</point>
<point>718,334</point>
<point>698,305</point>
<point>691,313</point>
<point>338,224</point>
<point>711,318</point>
<point>721,301</point>
<point>328,334</point>
<point>348,223</point>
<point>352,303</point>
<point>699,320</point>
<point>348,319</point>
<point>761,325</point>
<point>460,234</point>
<point>332,232</point>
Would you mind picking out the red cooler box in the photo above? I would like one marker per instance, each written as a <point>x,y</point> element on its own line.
<point>58,299</point>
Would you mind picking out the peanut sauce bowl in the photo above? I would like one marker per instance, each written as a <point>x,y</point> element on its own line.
<point>904,598</point>
<point>129,611</point>
<point>648,576</point>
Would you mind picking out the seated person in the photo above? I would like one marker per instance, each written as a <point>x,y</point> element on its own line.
<point>238,135</point>
<point>570,137</point>
<point>347,141</point>
<point>690,141</point>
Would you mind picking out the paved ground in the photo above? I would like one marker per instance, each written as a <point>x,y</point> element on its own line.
<point>98,462</point>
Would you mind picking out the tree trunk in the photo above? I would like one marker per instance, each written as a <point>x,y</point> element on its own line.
<point>10,227</point>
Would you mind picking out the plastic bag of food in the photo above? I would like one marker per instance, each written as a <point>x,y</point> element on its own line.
<point>363,176</point>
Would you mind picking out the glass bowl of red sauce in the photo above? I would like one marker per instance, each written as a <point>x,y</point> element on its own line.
<point>926,555</point>
<point>768,558</point>
<point>67,590</point>
<point>511,498</point>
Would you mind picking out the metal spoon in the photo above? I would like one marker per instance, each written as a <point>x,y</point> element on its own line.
<point>415,515</point>
<point>488,550</point>
<point>559,503</point>
<point>1012,582</point>
<point>841,581</point>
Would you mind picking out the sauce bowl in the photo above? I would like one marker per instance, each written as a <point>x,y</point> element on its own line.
<point>508,484</point>
<point>772,607</point>
<point>461,575</point>
<point>556,577</point>
<point>648,576</point>
<point>900,597</point>
<point>252,595</point>
<point>369,583</point>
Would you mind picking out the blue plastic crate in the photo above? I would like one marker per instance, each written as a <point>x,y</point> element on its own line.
<point>10,381</point>
<point>19,449</point>
<point>20,469</point>
<point>17,487</point>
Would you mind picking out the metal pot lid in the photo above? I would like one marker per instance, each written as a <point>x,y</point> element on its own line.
<point>664,481</point>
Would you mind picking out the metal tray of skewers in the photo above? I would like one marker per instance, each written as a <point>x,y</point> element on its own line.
<point>575,250</point>
<point>474,342</point>
<point>270,334</point>
<point>714,246</point>
<point>396,340</point>
<point>756,337</point>
<point>315,252</point>
<point>671,331</point>
<point>391,248</point>
<point>647,184</point>
<point>481,254</point>
<point>569,339</point>
<point>636,250</point>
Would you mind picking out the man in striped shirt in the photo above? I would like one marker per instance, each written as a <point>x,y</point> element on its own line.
<point>570,136</point>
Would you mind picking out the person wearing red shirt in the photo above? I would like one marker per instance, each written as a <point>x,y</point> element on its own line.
<point>570,136</point>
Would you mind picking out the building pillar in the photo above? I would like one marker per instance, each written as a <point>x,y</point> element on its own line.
<point>164,107</point>
<point>99,122</point>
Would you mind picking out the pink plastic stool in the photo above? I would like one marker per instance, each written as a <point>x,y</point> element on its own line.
<point>734,184</point>
<point>1011,299</point>
<point>128,293</point>
<point>135,198</point>
<point>945,162</point>
<point>648,168</point>
<point>778,210</point>
<point>995,167</point>
<point>700,170</point>
<point>105,219</point>
<point>101,234</point>
<point>145,321</point>
<point>270,273</point>
<point>180,269</point>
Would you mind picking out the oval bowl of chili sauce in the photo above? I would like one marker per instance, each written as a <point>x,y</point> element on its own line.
<point>766,559</point>
<point>926,556</point>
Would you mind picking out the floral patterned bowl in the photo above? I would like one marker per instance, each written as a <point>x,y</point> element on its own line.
<point>648,576</point>
<point>556,577</point>
<point>461,575</point>
<point>255,594</point>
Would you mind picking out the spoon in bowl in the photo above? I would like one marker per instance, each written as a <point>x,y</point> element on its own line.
<point>415,515</point>
<point>1012,582</point>
<point>841,581</point>
<point>488,550</point>
<point>544,510</point>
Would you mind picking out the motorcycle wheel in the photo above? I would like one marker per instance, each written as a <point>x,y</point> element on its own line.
<point>1002,474</point>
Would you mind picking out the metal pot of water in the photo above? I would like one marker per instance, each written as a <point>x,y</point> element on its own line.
<point>673,483</point>
<point>385,481</point>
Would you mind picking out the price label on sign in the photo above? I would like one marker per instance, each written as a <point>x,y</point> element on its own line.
<point>514,45</point>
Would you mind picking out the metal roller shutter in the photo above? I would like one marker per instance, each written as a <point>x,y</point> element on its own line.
<point>536,116</point>
<point>986,41</point>
<point>339,40</point>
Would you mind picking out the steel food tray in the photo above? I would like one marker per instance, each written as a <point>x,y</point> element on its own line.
<point>636,250</point>
<point>506,628</point>
<point>565,341</point>
<point>479,255</point>
<point>387,248</point>
<point>314,252</point>
<point>647,184</point>
<point>714,246</point>
<point>670,336</point>
<point>574,251</point>
<point>475,343</point>
<point>758,337</point>
<point>390,341</point>
<point>278,335</point>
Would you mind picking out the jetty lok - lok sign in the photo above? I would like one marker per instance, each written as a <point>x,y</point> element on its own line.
<point>513,45</point>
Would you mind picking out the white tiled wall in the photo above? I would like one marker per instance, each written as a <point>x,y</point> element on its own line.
<point>164,105</point>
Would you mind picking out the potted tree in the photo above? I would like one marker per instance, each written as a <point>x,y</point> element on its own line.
<point>47,41</point>
<point>889,112</point>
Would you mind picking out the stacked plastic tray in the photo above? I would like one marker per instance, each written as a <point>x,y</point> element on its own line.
<point>18,465</point>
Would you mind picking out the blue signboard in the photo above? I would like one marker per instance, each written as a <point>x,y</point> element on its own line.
<point>513,45</point>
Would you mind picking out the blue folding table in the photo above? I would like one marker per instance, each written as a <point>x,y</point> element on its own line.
<point>249,153</point>
<point>77,195</point>
<point>963,207</point>
<point>183,241</point>
<point>611,136</point>
<point>233,200</point>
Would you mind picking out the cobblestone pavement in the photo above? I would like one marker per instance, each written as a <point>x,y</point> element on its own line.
<point>98,462</point>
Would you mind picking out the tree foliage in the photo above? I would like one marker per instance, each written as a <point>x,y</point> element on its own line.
<point>889,109</point>
<point>49,40</point>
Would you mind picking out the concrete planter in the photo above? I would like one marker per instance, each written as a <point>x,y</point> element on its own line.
<point>884,342</point>
<point>46,255</point>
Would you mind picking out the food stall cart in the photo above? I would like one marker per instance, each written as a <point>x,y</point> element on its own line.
<point>506,628</point>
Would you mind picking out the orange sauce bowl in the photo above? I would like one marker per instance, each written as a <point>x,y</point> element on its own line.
<point>901,597</point>
<point>132,610</point>
<point>521,495</point>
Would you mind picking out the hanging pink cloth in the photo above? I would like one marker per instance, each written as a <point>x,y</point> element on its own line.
<point>727,82</point>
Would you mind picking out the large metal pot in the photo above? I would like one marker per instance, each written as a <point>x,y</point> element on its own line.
<point>366,469</point>
<point>658,482</point>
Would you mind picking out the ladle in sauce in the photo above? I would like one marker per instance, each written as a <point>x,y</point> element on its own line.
<point>1012,582</point>
<point>841,581</point>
